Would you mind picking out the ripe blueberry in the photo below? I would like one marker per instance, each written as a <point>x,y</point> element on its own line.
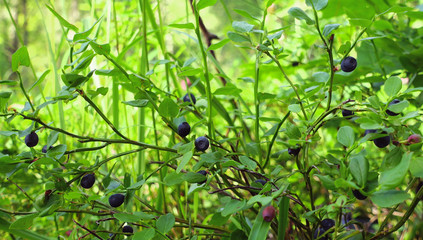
<point>201,143</point>
<point>357,194</point>
<point>262,181</point>
<point>269,213</point>
<point>184,129</point>
<point>348,64</point>
<point>187,99</point>
<point>294,151</point>
<point>414,138</point>
<point>127,229</point>
<point>31,140</point>
<point>203,172</point>
<point>390,113</point>
<point>382,141</point>
<point>87,181</point>
<point>116,200</point>
<point>44,150</point>
<point>347,113</point>
<point>327,224</point>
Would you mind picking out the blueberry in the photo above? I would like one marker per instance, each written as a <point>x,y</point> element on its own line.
<point>44,150</point>
<point>184,129</point>
<point>348,64</point>
<point>87,181</point>
<point>127,229</point>
<point>187,99</point>
<point>382,141</point>
<point>294,151</point>
<point>269,213</point>
<point>262,181</point>
<point>203,172</point>
<point>327,224</point>
<point>31,140</point>
<point>390,113</point>
<point>347,113</point>
<point>357,194</point>
<point>116,200</point>
<point>201,143</point>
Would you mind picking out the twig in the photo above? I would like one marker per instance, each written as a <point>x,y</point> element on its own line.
<point>93,233</point>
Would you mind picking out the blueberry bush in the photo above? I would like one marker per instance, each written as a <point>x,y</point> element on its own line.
<point>206,119</point>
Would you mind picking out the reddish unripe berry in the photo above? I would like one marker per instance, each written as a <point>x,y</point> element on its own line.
<point>269,213</point>
<point>414,138</point>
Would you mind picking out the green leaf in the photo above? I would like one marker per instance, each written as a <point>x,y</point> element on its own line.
<point>173,178</point>
<point>193,177</point>
<point>20,58</point>
<point>247,15</point>
<point>346,136</point>
<point>276,35</point>
<point>184,160</point>
<point>327,181</point>
<point>144,216</point>
<point>146,234</point>
<point>165,223</point>
<point>236,37</point>
<point>168,108</point>
<point>233,206</point>
<point>62,21</point>
<point>57,151</point>
<point>260,228</point>
<point>399,107</point>
<point>359,168</point>
<point>251,165</point>
<point>292,131</point>
<point>393,177</point>
<point>416,167</point>
<point>329,28</point>
<point>24,222</point>
<point>392,86</point>
<point>218,45</point>
<point>125,217</point>
<point>229,89</point>
<point>242,27</point>
<point>388,198</point>
<point>374,101</point>
<point>190,72</point>
<point>183,26</point>
<point>318,4</point>
<point>137,103</point>
<point>101,49</point>
<point>85,34</point>
<point>205,3</point>
<point>24,234</point>
<point>40,79</point>
<point>298,13</point>
<point>295,108</point>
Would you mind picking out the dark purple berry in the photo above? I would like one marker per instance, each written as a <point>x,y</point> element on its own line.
<point>87,181</point>
<point>201,143</point>
<point>127,229</point>
<point>184,129</point>
<point>116,200</point>
<point>269,213</point>
<point>357,194</point>
<point>294,151</point>
<point>327,224</point>
<point>347,113</point>
<point>390,113</point>
<point>44,150</point>
<point>31,140</point>
<point>187,98</point>
<point>368,131</point>
<point>382,141</point>
<point>203,172</point>
<point>319,232</point>
<point>348,64</point>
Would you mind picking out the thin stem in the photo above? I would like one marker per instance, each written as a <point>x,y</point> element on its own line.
<point>290,83</point>
<point>24,92</point>
<point>274,139</point>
